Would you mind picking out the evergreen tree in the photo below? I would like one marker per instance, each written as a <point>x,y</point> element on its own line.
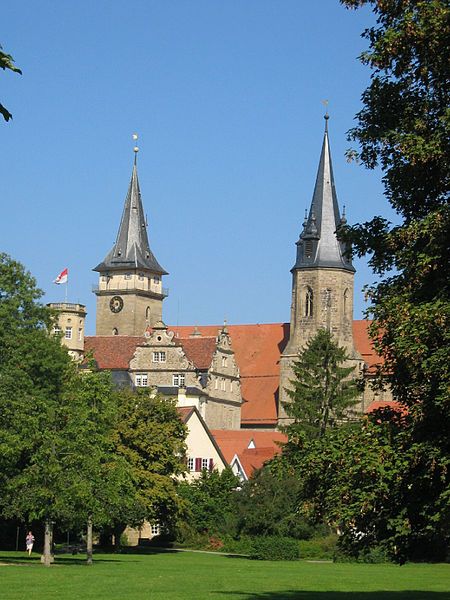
<point>323,390</point>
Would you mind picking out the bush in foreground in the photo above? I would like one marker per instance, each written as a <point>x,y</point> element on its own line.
<point>274,548</point>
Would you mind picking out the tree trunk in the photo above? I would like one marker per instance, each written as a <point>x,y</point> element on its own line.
<point>47,557</point>
<point>118,530</point>
<point>89,542</point>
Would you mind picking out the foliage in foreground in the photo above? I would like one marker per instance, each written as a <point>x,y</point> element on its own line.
<point>322,389</point>
<point>404,126</point>
<point>7,62</point>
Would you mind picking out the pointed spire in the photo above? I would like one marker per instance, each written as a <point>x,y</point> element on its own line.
<point>318,245</point>
<point>132,250</point>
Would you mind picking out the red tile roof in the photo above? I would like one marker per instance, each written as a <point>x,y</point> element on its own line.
<point>253,459</point>
<point>199,350</point>
<point>113,351</point>
<point>257,349</point>
<point>235,441</point>
<point>364,344</point>
<point>376,404</point>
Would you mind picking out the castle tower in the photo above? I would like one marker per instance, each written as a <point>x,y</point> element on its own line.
<point>322,277</point>
<point>70,322</point>
<point>130,292</point>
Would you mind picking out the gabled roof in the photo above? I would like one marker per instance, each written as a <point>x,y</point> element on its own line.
<point>186,413</point>
<point>235,441</point>
<point>199,350</point>
<point>113,351</point>
<point>253,459</point>
<point>132,250</point>
<point>257,350</point>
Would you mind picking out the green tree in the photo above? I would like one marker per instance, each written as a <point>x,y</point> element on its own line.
<point>404,126</point>
<point>150,437</point>
<point>322,390</point>
<point>210,501</point>
<point>7,62</point>
<point>267,505</point>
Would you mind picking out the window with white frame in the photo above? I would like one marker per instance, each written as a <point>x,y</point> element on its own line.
<point>205,463</point>
<point>179,379</point>
<point>56,330</point>
<point>159,357</point>
<point>155,529</point>
<point>141,379</point>
<point>68,333</point>
<point>191,464</point>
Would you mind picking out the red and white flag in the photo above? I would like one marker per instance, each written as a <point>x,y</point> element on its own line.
<point>62,277</point>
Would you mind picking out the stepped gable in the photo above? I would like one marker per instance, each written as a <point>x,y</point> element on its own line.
<point>199,350</point>
<point>236,441</point>
<point>257,350</point>
<point>113,351</point>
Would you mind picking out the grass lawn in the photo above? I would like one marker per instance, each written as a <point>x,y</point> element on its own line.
<point>189,575</point>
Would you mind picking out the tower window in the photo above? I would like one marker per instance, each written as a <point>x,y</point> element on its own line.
<point>68,333</point>
<point>56,330</point>
<point>309,302</point>
<point>80,334</point>
<point>127,276</point>
<point>308,248</point>
<point>224,361</point>
<point>147,313</point>
<point>141,276</point>
<point>115,331</point>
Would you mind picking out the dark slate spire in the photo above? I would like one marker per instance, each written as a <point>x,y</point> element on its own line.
<point>132,250</point>
<point>318,245</point>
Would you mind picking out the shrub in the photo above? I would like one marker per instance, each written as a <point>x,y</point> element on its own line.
<point>275,548</point>
<point>319,548</point>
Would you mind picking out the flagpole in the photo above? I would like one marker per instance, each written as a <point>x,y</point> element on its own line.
<point>67,285</point>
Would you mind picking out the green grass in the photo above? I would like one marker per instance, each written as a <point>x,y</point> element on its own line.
<point>196,576</point>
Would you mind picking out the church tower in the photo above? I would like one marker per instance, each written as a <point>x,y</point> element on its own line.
<point>130,292</point>
<point>322,277</point>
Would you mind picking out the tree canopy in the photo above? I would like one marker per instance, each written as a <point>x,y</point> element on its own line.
<point>322,389</point>
<point>7,63</point>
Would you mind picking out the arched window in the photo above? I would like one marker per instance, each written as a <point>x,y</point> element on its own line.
<point>147,313</point>
<point>115,331</point>
<point>309,302</point>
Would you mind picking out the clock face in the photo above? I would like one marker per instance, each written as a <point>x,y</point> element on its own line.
<point>116,304</point>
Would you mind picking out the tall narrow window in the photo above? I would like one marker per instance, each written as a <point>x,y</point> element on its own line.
<point>345,302</point>
<point>115,331</point>
<point>309,302</point>
<point>147,313</point>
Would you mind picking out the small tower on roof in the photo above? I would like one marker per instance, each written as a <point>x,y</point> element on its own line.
<point>130,292</point>
<point>322,276</point>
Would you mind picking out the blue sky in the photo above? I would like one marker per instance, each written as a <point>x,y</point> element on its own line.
<point>226,99</point>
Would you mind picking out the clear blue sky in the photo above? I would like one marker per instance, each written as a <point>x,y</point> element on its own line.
<point>226,99</point>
